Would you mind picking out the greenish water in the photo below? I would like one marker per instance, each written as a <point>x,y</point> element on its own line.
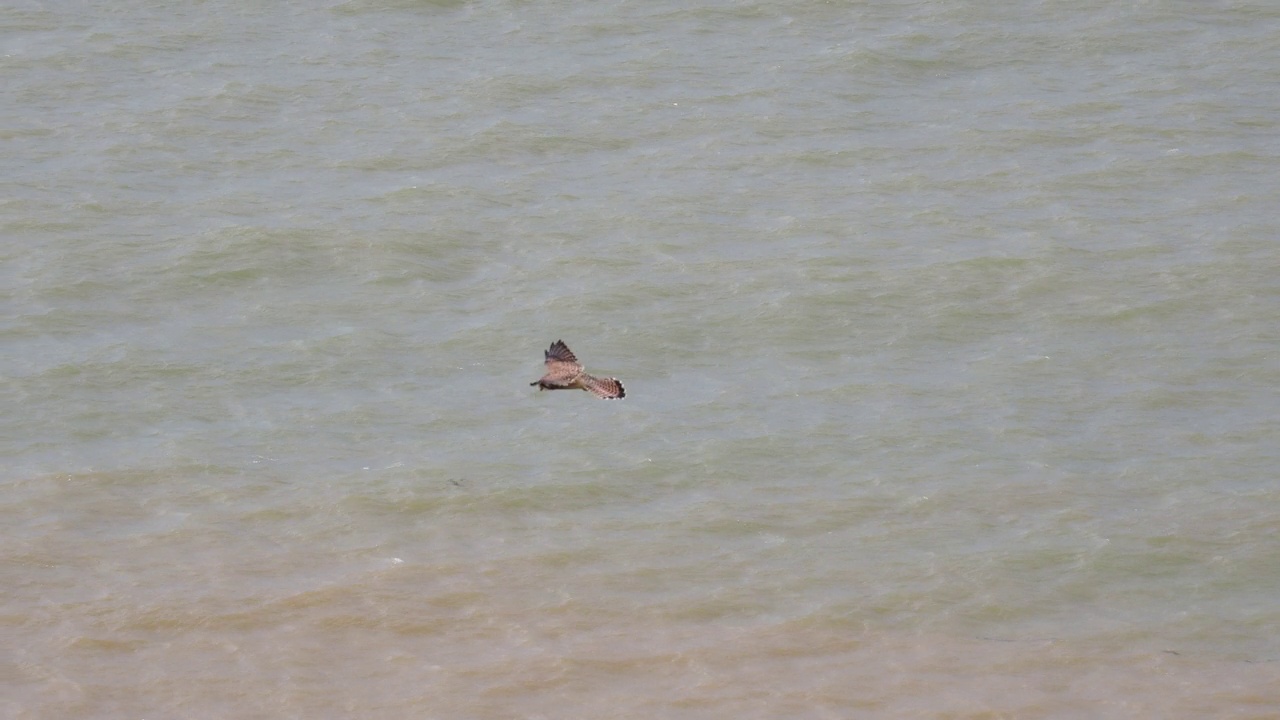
<point>949,339</point>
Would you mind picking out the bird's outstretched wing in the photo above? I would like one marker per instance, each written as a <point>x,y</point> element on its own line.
<point>562,367</point>
<point>560,352</point>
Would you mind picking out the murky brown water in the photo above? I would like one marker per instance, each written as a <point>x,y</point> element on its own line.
<point>949,338</point>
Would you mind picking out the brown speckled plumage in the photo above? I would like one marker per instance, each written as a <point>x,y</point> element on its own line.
<point>564,372</point>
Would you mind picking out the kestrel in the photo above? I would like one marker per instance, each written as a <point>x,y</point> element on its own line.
<point>564,372</point>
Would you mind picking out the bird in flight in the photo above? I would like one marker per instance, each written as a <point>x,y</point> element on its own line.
<point>564,372</point>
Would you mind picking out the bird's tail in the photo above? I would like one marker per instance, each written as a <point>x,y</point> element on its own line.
<point>607,388</point>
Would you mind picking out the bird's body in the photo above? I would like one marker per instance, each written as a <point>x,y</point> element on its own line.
<point>564,372</point>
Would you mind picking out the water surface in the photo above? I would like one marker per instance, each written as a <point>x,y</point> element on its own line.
<point>949,335</point>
